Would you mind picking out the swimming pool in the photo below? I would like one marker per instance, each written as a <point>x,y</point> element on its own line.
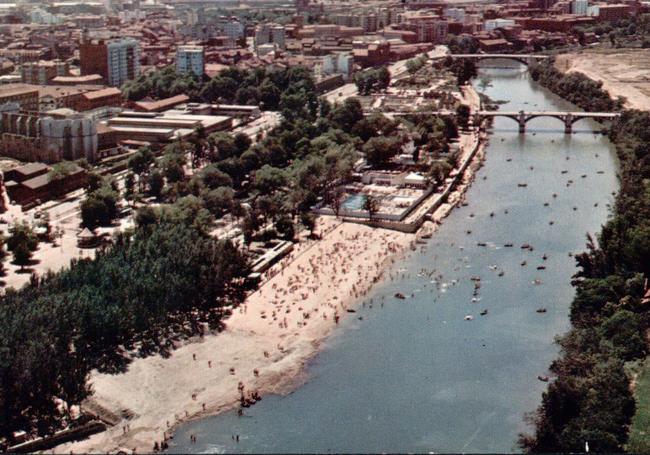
<point>354,202</point>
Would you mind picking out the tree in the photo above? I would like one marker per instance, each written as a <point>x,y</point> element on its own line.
<point>371,80</point>
<point>95,180</point>
<point>268,179</point>
<point>308,219</point>
<point>379,150</point>
<point>269,94</point>
<point>439,171</point>
<point>22,255</point>
<point>371,205</point>
<point>141,160</point>
<point>3,254</point>
<point>337,200</point>
<point>100,207</point>
<point>139,164</point>
<point>462,115</point>
<point>155,183</point>
<point>224,146</point>
<point>22,242</point>
<point>145,216</point>
<point>213,177</point>
<point>297,105</point>
<point>285,227</point>
<point>219,200</point>
<point>346,115</point>
<point>242,143</point>
<point>464,69</point>
<point>198,141</point>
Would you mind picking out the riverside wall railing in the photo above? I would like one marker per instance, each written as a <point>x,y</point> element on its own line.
<point>359,214</point>
<point>60,437</point>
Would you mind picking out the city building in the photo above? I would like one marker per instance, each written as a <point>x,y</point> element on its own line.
<point>270,34</point>
<point>30,182</point>
<point>50,138</point>
<point>40,16</point>
<point>160,105</point>
<point>190,59</point>
<point>614,12</point>
<point>43,72</point>
<point>338,63</point>
<point>26,96</point>
<point>108,97</point>
<point>493,24</point>
<point>117,61</point>
<point>456,14</point>
<point>579,7</point>
<point>164,127</point>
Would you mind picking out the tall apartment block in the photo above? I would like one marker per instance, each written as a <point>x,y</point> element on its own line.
<point>270,33</point>
<point>190,59</point>
<point>117,61</point>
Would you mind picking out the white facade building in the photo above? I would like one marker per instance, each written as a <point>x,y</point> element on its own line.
<point>123,61</point>
<point>190,59</point>
<point>341,63</point>
<point>457,14</point>
<point>579,7</point>
<point>493,24</point>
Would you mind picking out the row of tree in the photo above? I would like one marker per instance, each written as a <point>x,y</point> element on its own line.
<point>575,87</point>
<point>590,399</point>
<point>290,91</point>
<point>97,314</point>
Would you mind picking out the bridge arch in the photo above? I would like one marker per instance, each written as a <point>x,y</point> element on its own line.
<point>525,59</point>
<point>561,118</point>
<point>516,59</point>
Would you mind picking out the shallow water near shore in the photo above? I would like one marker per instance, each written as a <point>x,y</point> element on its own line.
<point>414,375</point>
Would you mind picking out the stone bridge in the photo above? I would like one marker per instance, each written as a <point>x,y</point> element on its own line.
<point>526,59</point>
<point>521,117</point>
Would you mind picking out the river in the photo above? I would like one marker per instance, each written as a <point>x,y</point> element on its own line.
<point>413,375</point>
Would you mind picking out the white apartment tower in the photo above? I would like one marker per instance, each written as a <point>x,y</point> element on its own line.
<point>123,61</point>
<point>190,59</point>
<point>579,7</point>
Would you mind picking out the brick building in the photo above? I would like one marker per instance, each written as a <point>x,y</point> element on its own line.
<point>117,61</point>
<point>25,95</point>
<point>32,182</point>
<point>614,12</point>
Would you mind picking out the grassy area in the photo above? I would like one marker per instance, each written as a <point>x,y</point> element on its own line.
<point>639,441</point>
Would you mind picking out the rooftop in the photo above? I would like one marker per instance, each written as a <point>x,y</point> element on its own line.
<point>110,91</point>
<point>17,89</point>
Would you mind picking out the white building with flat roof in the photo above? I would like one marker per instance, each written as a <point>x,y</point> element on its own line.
<point>493,24</point>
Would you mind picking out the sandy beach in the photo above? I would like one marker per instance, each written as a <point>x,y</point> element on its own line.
<point>623,72</point>
<point>267,341</point>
